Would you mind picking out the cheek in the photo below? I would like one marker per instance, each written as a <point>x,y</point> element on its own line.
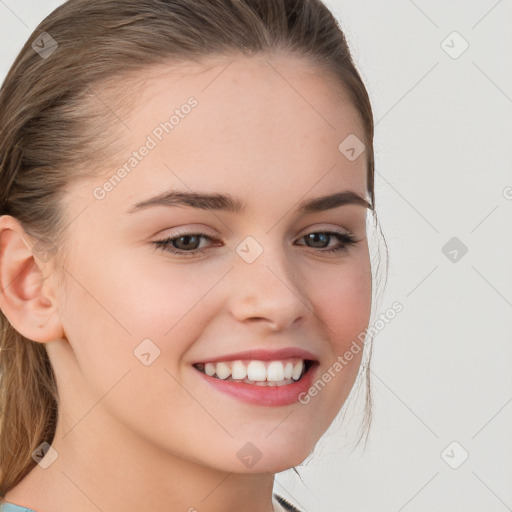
<point>139,297</point>
<point>344,304</point>
<point>128,309</point>
<point>341,300</point>
<point>170,303</point>
<point>112,318</point>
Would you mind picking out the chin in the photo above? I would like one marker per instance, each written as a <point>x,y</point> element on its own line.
<point>280,460</point>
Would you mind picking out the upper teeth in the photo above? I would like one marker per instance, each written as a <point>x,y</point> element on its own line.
<point>272,371</point>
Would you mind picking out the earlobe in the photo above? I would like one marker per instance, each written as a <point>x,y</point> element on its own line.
<point>24,298</point>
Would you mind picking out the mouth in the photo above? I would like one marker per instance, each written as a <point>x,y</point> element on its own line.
<point>282,372</point>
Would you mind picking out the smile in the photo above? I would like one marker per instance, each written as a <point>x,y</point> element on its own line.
<point>260,373</point>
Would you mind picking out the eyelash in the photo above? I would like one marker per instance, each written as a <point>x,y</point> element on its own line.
<point>346,239</point>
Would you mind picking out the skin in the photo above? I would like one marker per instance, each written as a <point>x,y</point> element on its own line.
<point>170,440</point>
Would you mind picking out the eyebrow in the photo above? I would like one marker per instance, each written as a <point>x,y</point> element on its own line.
<point>226,202</point>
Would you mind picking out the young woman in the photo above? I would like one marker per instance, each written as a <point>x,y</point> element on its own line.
<point>184,263</point>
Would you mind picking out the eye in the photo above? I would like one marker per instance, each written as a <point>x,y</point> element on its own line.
<point>183,243</point>
<point>345,240</point>
<point>188,244</point>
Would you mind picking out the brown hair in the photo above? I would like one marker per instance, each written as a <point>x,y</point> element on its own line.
<point>52,121</point>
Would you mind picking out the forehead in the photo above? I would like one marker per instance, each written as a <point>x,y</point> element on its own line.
<point>256,92</point>
<point>260,123</point>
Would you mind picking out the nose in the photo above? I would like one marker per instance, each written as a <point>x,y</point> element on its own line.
<point>269,291</point>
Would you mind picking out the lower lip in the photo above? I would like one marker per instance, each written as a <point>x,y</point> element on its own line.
<point>268,396</point>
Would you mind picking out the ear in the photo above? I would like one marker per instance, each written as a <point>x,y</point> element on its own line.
<point>26,297</point>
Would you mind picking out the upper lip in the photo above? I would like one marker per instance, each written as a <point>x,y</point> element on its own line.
<point>263,355</point>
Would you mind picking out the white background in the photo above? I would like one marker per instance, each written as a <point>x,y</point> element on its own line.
<point>441,370</point>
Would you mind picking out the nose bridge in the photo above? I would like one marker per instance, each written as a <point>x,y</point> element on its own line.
<point>267,287</point>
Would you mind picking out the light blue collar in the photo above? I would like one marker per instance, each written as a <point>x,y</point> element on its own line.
<point>11,507</point>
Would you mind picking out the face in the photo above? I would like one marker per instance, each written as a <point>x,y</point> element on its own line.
<point>152,291</point>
